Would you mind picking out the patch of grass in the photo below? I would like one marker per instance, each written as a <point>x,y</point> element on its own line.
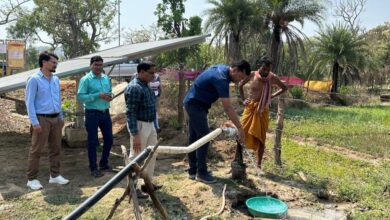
<point>364,129</point>
<point>173,122</point>
<point>349,180</point>
<point>36,205</point>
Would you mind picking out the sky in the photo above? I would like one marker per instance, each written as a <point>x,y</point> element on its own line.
<point>134,15</point>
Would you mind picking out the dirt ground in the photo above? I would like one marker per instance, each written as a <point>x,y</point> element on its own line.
<point>183,198</point>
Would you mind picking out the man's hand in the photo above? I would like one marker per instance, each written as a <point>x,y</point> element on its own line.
<point>137,144</point>
<point>37,128</point>
<point>228,124</point>
<point>105,96</point>
<point>246,102</point>
<point>241,83</point>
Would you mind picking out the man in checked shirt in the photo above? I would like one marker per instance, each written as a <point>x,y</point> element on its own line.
<point>141,113</point>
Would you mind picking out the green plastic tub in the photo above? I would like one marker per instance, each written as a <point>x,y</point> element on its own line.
<point>267,207</point>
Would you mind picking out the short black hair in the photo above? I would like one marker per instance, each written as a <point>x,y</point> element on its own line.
<point>263,61</point>
<point>45,56</point>
<point>145,66</point>
<point>96,59</point>
<point>243,66</point>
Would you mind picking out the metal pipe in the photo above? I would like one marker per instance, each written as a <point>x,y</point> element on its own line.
<point>88,203</point>
<point>108,186</point>
<point>197,144</point>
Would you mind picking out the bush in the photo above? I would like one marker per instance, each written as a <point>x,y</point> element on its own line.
<point>376,90</point>
<point>69,108</point>
<point>346,90</point>
<point>296,92</point>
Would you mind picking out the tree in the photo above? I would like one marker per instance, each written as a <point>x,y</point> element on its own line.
<point>349,11</point>
<point>11,10</point>
<point>32,54</point>
<point>378,41</point>
<point>307,68</point>
<point>77,26</point>
<point>279,15</point>
<point>337,46</point>
<point>151,33</point>
<point>228,19</point>
<point>171,20</point>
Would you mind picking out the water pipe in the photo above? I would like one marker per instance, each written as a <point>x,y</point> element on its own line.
<point>231,132</point>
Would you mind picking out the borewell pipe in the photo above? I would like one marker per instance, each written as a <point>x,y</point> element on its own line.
<point>231,132</point>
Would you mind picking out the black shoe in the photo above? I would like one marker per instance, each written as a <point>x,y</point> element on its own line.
<point>105,168</point>
<point>192,176</point>
<point>206,178</point>
<point>155,187</point>
<point>141,195</point>
<point>96,173</point>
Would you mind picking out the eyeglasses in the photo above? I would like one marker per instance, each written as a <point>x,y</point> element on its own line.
<point>150,72</point>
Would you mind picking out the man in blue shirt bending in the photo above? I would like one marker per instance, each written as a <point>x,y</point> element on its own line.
<point>95,92</point>
<point>43,102</point>
<point>211,85</point>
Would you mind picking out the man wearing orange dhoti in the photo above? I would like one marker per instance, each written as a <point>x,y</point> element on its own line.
<point>256,113</point>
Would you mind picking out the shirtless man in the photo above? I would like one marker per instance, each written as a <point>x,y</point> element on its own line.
<point>256,113</point>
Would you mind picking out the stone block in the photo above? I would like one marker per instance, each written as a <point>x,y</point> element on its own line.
<point>75,137</point>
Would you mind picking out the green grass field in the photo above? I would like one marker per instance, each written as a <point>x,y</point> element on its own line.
<point>346,179</point>
<point>363,129</point>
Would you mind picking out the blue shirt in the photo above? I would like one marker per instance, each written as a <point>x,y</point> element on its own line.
<point>140,104</point>
<point>42,96</point>
<point>89,89</point>
<point>210,85</point>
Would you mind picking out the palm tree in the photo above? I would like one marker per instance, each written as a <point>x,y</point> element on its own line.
<point>279,15</point>
<point>339,47</point>
<point>228,19</point>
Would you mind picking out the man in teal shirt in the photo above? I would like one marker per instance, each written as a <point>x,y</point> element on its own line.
<point>95,92</point>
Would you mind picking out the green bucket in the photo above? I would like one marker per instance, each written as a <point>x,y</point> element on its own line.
<point>267,207</point>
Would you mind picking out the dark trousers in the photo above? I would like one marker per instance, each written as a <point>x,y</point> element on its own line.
<point>198,127</point>
<point>95,119</point>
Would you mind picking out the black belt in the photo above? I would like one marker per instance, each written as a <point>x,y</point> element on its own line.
<point>146,120</point>
<point>49,115</point>
<point>97,110</point>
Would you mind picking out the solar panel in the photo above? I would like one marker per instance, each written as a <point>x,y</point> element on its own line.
<point>111,56</point>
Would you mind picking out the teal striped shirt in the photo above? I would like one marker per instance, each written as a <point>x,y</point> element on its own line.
<point>89,89</point>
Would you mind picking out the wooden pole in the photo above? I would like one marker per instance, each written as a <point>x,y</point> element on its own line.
<point>131,190</point>
<point>150,191</point>
<point>279,130</point>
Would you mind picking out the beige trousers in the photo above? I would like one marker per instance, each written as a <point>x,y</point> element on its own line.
<point>51,134</point>
<point>148,137</point>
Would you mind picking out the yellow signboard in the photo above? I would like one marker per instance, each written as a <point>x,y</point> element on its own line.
<point>15,55</point>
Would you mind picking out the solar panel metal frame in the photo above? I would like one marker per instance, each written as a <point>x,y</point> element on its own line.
<point>116,55</point>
